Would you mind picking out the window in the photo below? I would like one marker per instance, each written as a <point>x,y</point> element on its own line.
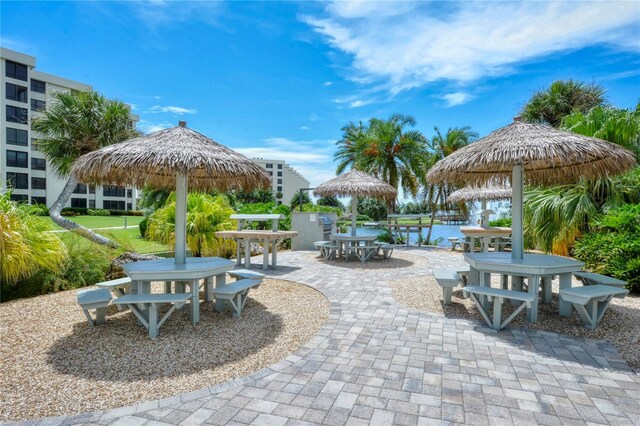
<point>35,146</point>
<point>38,183</point>
<point>279,181</point>
<point>92,189</point>
<point>92,204</point>
<point>19,197</point>
<point>17,115</point>
<point>113,191</point>
<point>129,193</point>
<point>269,166</point>
<point>39,200</point>
<point>80,188</point>
<point>15,70</point>
<point>129,206</point>
<point>38,164</point>
<point>279,174</point>
<point>79,202</point>
<point>279,189</point>
<point>270,173</point>
<point>16,93</point>
<point>17,137</point>
<point>280,166</point>
<point>18,180</point>
<point>113,205</point>
<point>17,158</point>
<point>38,86</point>
<point>37,105</point>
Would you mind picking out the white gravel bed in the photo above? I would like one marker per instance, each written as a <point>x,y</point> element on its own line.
<point>53,364</point>
<point>398,260</point>
<point>620,324</point>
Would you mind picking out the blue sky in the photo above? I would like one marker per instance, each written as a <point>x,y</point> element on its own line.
<point>280,79</point>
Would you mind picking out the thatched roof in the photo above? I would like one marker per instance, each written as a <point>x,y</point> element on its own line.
<point>475,193</point>
<point>155,160</point>
<point>355,182</point>
<point>549,156</point>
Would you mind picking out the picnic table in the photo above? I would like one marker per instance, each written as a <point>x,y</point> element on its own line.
<point>191,272</point>
<point>532,266</point>
<point>484,235</point>
<point>361,245</point>
<point>267,238</point>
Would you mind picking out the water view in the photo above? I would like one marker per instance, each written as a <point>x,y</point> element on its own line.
<point>441,232</point>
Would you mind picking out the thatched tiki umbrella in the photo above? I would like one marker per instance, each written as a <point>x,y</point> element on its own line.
<point>479,193</point>
<point>168,159</point>
<point>534,154</point>
<point>355,183</point>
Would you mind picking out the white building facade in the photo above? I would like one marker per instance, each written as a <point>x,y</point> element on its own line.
<point>25,91</point>
<point>285,179</point>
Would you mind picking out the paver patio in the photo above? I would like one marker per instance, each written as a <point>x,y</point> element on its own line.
<point>377,362</point>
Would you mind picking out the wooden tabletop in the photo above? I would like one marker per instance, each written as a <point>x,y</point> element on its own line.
<point>258,235</point>
<point>479,230</point>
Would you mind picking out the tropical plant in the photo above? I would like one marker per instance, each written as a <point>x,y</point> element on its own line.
<point>612,247</point>
<point>257,196</point>
<point>152,199</point>
<point>562,98</point>
<point>26,246</point>
<point>441,146</point>
<point>74,124</point>
<point>300,195</point>
<point>205,216</point>
<point>375,209</point>
<point>387,150</point>
<point>329,201</point>
<point>620,126</point>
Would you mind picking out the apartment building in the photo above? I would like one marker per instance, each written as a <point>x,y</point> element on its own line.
<point>285,179</point>
<point>24,92</point>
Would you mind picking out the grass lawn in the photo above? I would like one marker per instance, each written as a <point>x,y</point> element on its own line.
<point>93,222</point>
<point>129,239</point>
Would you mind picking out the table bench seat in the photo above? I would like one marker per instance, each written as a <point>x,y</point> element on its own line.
<point>241,274</point>
<point>139,303</point>
<point>448,279</point>
<point>118,287</point>
<point>591,278</point>
<point>236,294</point>
<point>365,252</point>
<point>591,302</point>
<point>97,299</point>
<point>498,295</point>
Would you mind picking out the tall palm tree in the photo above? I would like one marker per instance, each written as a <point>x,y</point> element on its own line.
<point>300,195</point>
<point>354,139</point>
<point>25,244</point>
<point>562,98</point>
<point>77,123</point>
<point>441,146</point>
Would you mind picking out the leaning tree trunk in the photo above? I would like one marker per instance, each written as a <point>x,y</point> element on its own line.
<point>56,208</point>
<point>434,209</point>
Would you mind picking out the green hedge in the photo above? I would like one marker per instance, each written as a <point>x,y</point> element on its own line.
<point>81,211</point>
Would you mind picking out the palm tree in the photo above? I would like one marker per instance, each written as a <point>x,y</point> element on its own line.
<point>441,146</point>
<point>295,200</point>
<point>353,140</point>
<point>562,98</point>
<point>329,201</point>
<point>26,246</point>
<point>206,215</point>
<point>77,123</point>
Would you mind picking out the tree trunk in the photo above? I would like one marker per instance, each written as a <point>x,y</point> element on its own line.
<point>69,225</point>
<point>434,209</point>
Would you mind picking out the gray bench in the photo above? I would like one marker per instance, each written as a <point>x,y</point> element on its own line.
<point>320,245</point>
<point>97,299</point>
<point>146,306</point>
<point>591,302</point>
<point>455,241</point>
<point>118,287</point>
<point>329,249</point>
<point>365,252</point>
<point>236,294</point>
<point>591,278</point>
<point>448,279</point>
<point>243,274</point>
<point>498,295</point>
<point>386,248</point>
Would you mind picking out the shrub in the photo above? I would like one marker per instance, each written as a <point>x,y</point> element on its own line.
<point>73,211</point>
<point>143,227</point>
<point>613,245</point>
<point>98,212</point>
<point>40,210</point>
<point>126,213</point>
<point>505,222</point>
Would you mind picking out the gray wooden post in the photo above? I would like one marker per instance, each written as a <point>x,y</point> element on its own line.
<point>565,307</point>
<point>221,281</point>
<point>265,254</point>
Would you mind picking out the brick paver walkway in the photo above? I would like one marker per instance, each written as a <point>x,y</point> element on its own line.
<point>377,362</point>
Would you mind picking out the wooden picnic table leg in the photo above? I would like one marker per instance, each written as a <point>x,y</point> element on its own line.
<point>485,281</point>
<point>534,288</point>
<point>153,320</point>
<point>565,282</point>
<point>239,251</point>
<point>265,254</point>
<point>274,254</point>
<point>195,301</point>
<point>247,253</point>
<point>221,281</point>
<point>208,289</point>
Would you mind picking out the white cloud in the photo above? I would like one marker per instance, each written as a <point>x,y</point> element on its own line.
<point>314,117</point>
<point>399,46</point>
<point>327,83</point>
<point>457,98</point>
<point>305,128</point>
<point>171,109</point>
<point>312,158</point>
<point>149,127</point>
<point>159,13</point>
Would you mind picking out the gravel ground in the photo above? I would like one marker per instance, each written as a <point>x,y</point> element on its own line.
<point>620,324</point>
<point>398,260</point>
<point>52,363</point>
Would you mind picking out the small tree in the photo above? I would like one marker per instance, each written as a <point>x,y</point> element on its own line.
<point>295,201</point>
<point>329,201</point>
